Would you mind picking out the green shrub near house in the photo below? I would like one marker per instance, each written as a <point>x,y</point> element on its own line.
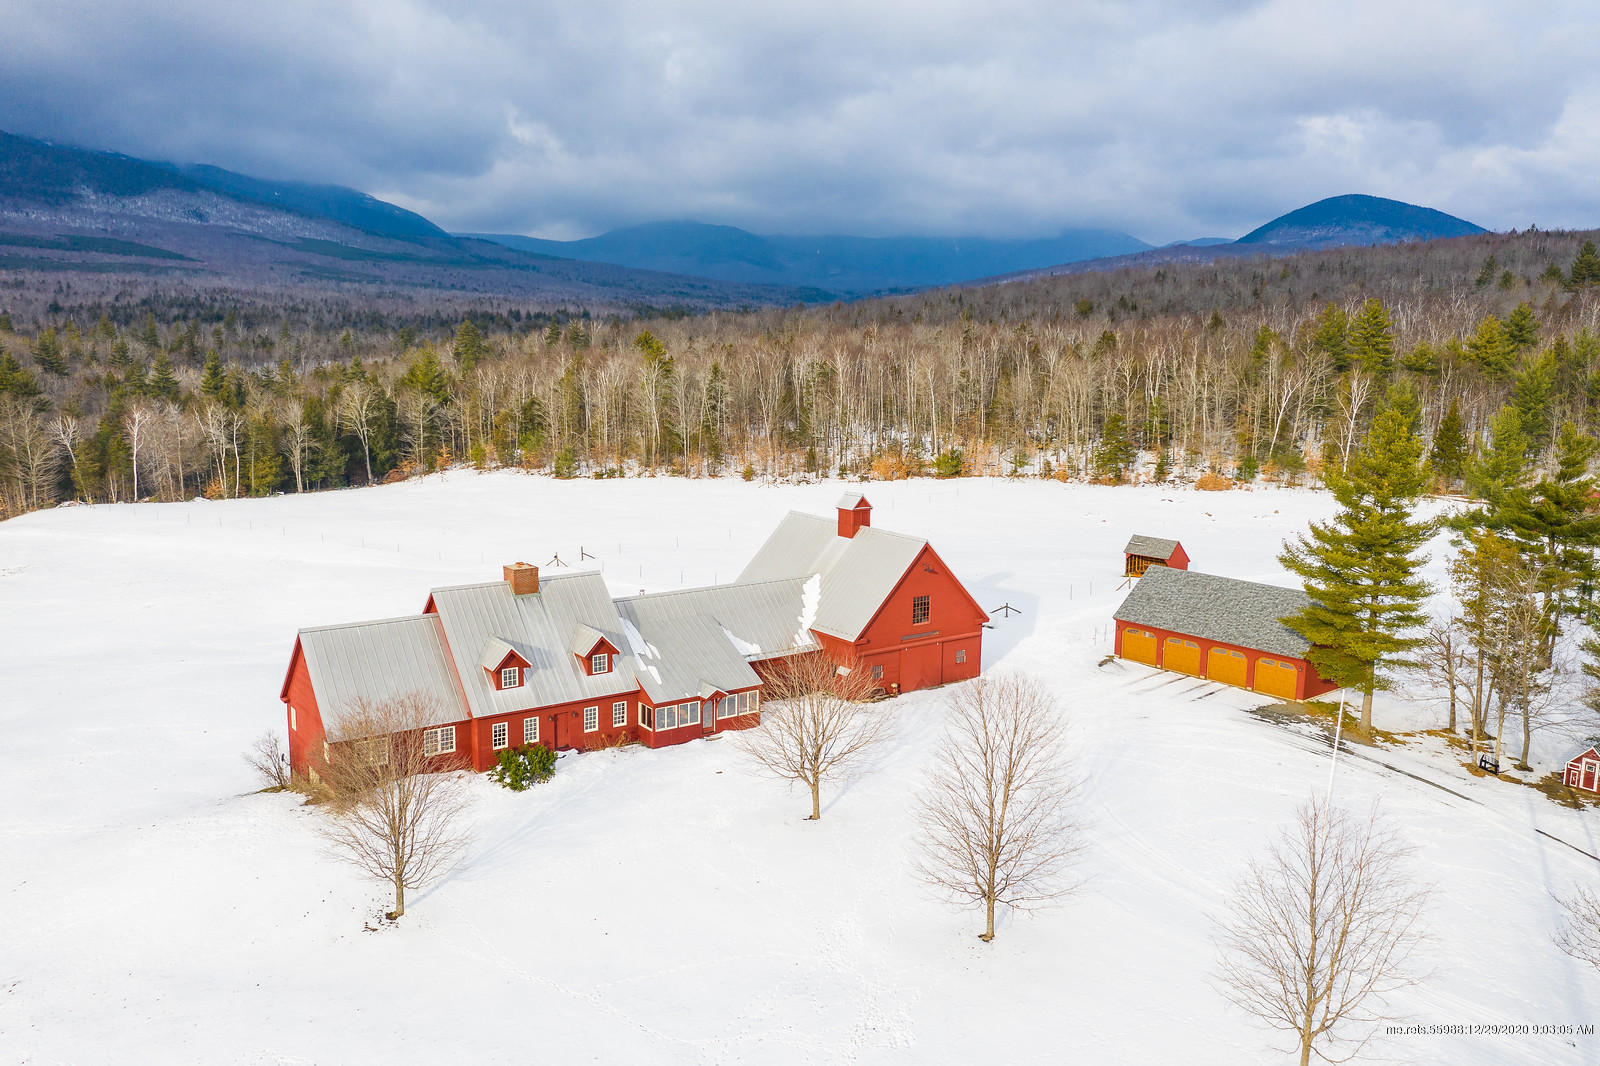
<point>519,768</point>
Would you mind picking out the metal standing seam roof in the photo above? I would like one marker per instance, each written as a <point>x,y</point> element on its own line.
<point>1151,547</point>
<point>1226,609</point>
<point>383,660</point>
<point>688,642</point>
<point>858,573</point>
<point>540,627</point>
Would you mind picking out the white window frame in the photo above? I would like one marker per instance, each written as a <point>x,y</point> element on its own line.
<point>591,719</point>
<point>877,671</point>
<point>619,714</point>
<point>375,750</point>
<point>530,730</point>
<point>510,677</point>
<point>961,656</point>
<point>926,604</point>
<point>500,735</point>
<point>600,663</point>
<point>440,740</point>
<point>293,726</point>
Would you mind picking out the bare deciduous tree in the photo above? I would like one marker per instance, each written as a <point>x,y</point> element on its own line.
<point>395,816</point>
<point>270,764</point>
<point>1322,929</point>
<point>134,423</point>
<point>1579,935</point>
<point>815,721</point>
<point>996,819</point>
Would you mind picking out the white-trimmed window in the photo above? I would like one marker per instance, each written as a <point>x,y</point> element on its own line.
<point>530,730</point>
<point>374,750</point>
<point>961,655</point>
<point>439,741</point>
<point>600,663</point>
<point>292,724</point>
<point>920,609</point>
<point>499,735</point>
<point>737,704</point>
<point>647,716</point>
<point>619,714</point>
<point>510,677</point>
<point>591,719</point>
<point>877,671</point>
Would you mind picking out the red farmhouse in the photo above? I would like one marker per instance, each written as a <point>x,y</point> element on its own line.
<point>1583,771</point>
<point>555,660</point>
<point>1219,628</point>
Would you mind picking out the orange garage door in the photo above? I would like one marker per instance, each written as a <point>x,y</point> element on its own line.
<point>1182,655</point>
<point>1139,645</point>
<point>1277,678</point>
<point>1227,666</point>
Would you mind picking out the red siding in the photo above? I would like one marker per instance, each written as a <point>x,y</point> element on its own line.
<point>923,654</point>
<point>1179,559</point>
<point>304,722</point>
<point>1309,685</point>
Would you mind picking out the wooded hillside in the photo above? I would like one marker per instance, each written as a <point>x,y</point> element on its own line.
<point>1240,367</point>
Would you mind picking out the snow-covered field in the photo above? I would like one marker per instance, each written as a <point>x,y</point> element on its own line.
<point>671,906</point>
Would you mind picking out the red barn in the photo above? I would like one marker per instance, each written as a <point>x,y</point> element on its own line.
<point>1583,771</point>
<point>1144,552</point>
<point>1219,628</point>
<point>557,661</point>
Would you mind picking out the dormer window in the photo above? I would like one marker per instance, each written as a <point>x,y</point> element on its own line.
<point>510,676</point>
<point>600,663</point>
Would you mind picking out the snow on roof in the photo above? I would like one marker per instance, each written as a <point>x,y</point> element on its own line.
<point>851,500</point>
<point>584,638</point>
<point>711,635</point>
<point>1150,547</point>
<point>1226,609</point>
<point>539,627</point>
<point>380,661</point>
<point>495,652</point>
<point>857,573</point>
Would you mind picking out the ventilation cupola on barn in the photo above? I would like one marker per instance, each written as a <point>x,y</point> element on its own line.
<point>855,513</point>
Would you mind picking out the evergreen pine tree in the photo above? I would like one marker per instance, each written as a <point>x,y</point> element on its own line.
<point>1360,569</point>
<point>16,380</point>
<point>1503,466</point>
<point>1585,267</point>
<point>213,382</point>
<point>1490,349</point>
<point>1522,328</point>
<point>1332,336</point>
<point>1116,452</point>
<point>1372,339</point>
<point>47,353</point>
<point>469,347</point>
<point>1449,456</point>
<point>1530,395</point>
<point>163,383</point>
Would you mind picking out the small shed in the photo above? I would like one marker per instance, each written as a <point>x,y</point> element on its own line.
<point>1144,552</point>
<point>1583,771</point>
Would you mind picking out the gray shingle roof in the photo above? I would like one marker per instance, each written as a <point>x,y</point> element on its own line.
<point>1150,547</point>
<point>682,642</point>
<point>858,573</point>
<point>382,660</point>
<point>1217,608</point>
<point>540,627</point>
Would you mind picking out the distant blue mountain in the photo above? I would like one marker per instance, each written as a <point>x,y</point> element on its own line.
<point>33,171</point>
<point>834,263</point>
<point>1356,219</point>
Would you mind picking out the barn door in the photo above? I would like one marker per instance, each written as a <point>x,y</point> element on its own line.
<point>1589,774</point>
<point>921,667</point>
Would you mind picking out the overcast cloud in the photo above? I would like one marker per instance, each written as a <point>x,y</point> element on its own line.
<point>1169,120</point>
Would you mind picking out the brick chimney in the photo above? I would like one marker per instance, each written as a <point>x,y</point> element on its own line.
<point>854,513</point>
<point>523,578</point>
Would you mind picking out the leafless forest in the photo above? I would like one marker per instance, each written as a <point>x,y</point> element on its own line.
<point>1238,368</point>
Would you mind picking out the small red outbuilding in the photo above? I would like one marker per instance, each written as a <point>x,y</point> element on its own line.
<point>1144,552</point>
<point>1583,771</point>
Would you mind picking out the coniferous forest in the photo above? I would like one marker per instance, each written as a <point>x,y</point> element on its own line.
<point>1232,370</point>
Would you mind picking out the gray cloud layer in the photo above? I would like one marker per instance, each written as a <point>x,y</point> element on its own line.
<point>1166,118</point>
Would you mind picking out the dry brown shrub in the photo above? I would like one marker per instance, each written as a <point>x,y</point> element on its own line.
<point>1214,482</point>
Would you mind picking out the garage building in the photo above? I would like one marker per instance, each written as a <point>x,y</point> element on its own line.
<point>1221,629</point>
